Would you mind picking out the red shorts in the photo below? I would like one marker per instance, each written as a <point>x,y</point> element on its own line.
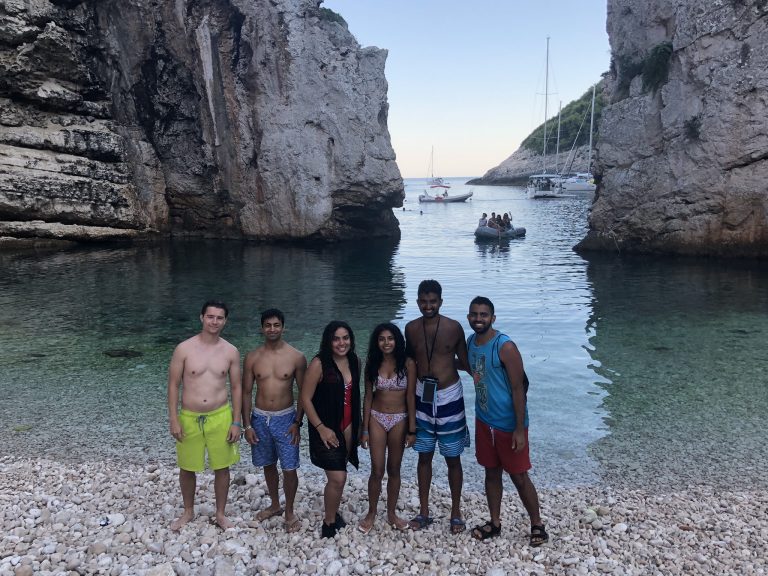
<point>493,449</point>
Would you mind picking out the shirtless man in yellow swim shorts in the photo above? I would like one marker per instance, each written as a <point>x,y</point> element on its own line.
<point>200,366</point>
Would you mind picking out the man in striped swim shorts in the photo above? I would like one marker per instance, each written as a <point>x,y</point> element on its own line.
<point>435,342</point>
<point>273,432</point>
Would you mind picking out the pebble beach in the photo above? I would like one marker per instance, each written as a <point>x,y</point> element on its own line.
<point>110,518</point>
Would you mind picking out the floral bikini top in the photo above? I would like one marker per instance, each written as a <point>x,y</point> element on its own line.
<point>394,383</point>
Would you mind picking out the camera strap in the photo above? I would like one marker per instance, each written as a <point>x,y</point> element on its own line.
<point>427,348</point>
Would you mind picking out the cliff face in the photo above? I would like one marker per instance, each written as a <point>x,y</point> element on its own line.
<point>682,159</point>
<point>216,118</point>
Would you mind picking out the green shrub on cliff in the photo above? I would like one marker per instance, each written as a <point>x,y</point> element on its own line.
<point>656,66</point>
<point>330,16</point>
<point>571,117</point>
<point>625,68</point>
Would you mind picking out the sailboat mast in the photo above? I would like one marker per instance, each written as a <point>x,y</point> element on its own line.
<point>546,98</point>
<point>432,163</point>
<point>557,150</point>
<point>591,129</point>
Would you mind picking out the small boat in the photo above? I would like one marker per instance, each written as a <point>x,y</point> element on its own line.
<point>544,186</point>
<point>437,182</point>
<point>581,182</point>
<point>486,232</point>
<point>444,197</point>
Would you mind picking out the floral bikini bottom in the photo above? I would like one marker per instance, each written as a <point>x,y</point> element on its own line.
<point>388,421</point>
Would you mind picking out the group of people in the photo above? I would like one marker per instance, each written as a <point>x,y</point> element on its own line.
<point>412,397</point>
<point>496,221</point>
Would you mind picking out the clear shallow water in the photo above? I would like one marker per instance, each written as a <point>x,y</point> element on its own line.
<point>644,371</point>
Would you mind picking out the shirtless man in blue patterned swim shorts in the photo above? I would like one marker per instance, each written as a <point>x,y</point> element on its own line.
<point>273,426</point>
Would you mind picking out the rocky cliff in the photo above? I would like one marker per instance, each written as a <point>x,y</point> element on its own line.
<point>215,118</point>
<point>682,157</point>
<point>516,169</point>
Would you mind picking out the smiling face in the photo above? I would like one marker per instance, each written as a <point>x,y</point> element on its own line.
<point>429,304</point>
<point>272,328</point>
<point>341,342</point>
<point>480,318</point>
<point>213,320</point>
<point>386,342</point>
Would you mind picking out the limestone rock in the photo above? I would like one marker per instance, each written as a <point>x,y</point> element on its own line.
<point>682,167</point>
<point>516,169</point>
<point>125,119</point>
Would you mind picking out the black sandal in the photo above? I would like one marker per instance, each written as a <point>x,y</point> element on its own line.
<point>485,531</point>
<point>327,531</point>
<point>539,536</point>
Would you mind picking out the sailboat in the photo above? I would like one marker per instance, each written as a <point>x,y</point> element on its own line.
<point>583,181</point>
<point>432,180</point>
<point>438,187</point>
<point>544,185</point>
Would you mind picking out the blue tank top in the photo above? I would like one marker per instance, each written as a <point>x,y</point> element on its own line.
<point>493,394</point>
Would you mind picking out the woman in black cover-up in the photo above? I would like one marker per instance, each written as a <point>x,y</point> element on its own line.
<point>330,396</point>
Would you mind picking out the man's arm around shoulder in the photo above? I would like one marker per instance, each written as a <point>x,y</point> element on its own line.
<point>462,362</point>
<point>513,364</point>
<point>175,373</point>
<point>236,393</point>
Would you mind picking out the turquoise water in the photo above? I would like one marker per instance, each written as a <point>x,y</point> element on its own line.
<point>644,371</point>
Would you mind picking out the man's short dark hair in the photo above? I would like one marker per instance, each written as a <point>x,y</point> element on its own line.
<point>483,301</point>
<point>272,313</point>
<point>215,304</point>
<point>430,287</point>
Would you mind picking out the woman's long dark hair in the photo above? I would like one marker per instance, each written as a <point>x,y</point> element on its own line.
<point>326,344</point>
<point>376,356</point>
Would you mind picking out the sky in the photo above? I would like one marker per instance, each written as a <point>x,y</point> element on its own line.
<point>467,77</point>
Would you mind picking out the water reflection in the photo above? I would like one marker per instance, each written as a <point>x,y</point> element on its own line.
<point>683,344</point>
<point>492,248</point>
<point>87,304</point>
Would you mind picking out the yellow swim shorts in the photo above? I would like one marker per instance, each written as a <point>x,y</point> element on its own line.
<point>206,431</point>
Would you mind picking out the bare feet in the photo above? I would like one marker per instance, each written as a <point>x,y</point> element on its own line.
<point>269,513</point>
<point>366,523</point>
<point>177,524</point>
<point>397,523</point>
<point>223,522</point>
<point>292,523</point>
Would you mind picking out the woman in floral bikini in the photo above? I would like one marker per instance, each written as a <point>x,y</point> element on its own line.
<point>389,418</point>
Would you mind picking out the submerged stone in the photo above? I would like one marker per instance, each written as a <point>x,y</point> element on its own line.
<point>123,353</point>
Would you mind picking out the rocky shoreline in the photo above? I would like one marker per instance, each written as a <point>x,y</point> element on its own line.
<point>111,518</point>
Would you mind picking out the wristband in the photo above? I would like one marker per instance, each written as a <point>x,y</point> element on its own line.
<point>411,433</point>
<point>365,432</point>
<point>238,424</point>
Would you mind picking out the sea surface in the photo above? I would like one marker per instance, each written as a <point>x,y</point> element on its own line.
<point>644,371</point>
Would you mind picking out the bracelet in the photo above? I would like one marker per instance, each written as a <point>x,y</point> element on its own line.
<point>365,432</point>
<point>249,427</point>
<point>299,423</point>
<point>238,424</point>
<point>411,433</point>
<point>317,426</point>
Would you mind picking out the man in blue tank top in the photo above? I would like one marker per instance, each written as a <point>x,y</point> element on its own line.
<point>501,425</point>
